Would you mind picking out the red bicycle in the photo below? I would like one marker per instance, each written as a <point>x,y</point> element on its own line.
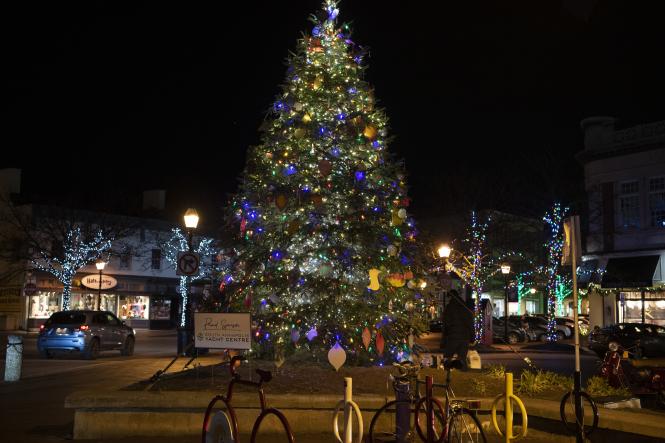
<point>222,426</point>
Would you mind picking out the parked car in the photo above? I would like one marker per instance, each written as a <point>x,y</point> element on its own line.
<point>515,333</point>
<point>535,327</point>
<point>645,340</point>
<point>564,325</point>
<point>87,332</point>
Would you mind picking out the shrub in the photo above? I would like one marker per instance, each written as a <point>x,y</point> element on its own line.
<point>535,382</point>
<point>598,387</point>
<point>496,371</point>
<point>478,387</point>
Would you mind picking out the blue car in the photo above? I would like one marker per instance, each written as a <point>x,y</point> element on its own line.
<point>86,332</point>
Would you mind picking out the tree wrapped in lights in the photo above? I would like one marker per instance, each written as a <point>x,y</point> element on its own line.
<point>554,220</point>
<point>327,253</point>
<point>76,253</point>
<point>178,243</point>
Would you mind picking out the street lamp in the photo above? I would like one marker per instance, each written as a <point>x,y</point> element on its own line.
<point>186,333</point>
<point>505,270</point>
<point>100,264</point>
<point>444,251</point>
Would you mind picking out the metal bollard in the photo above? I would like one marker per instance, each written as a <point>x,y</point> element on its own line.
<point>14,358</point>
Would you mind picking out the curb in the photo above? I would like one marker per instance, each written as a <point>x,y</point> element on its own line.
<point>121,414</point>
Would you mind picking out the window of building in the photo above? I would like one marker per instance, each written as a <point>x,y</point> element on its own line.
<point>629,204</point>
<point>44,304</point>
<point>156,258</point>
<point>134,307</point>
<point>126,259</point>
<point>657,202</point>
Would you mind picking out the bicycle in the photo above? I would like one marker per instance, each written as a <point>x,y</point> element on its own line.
<point>223,427</point>
<point>450,421</point>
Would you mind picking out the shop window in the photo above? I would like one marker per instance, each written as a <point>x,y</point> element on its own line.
<point>629,204</point>
<point>156,258</point>
<point>134,307</point>
<point>108,302</point>
<point>44,304</point>
<point>82,301</point>
<point>657,202</point>
<point>160,308</point>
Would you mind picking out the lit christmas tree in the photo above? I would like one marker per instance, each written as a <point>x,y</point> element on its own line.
<point>328,248</point>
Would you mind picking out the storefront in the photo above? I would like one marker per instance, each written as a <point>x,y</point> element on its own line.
<point>137,308</point>
<point>641,307</point>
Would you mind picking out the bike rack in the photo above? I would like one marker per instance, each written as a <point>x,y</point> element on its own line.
<point>348,405</point>
<point>509,397</point>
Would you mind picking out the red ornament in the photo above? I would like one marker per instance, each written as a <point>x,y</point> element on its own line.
<point>325,167</point>
<point>380,343</point>
<point>243,225</point>
<point>248,301</point>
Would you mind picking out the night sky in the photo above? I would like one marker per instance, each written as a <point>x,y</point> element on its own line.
<point>484,98</point>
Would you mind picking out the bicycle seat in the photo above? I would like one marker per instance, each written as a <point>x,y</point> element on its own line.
<point>265,376</point>
<point>452,363</point>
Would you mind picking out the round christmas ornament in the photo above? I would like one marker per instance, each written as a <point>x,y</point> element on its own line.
<point>401,213</point>
<point>380,343</point>
<point>325,167</point>
<point>311,334</point>
<point>395,219</point>
<point>411,284</point>
<point>299,133</point>
<point>374,279</point>
<point>367,338</point>
<point>280,201</point>
<point>318,82</point>
<point>408,275</point>
<point>392,250</point>
<point>295,335</point>
<point>337,356</point>
<point>370,132</point>
<point>298,106</point>
<point>306,118</point>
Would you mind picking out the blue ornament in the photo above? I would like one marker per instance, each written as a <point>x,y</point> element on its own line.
<point>353,90</point>
<point>360,175</point>
<point>316,31</point>
<point>290,170</point>
<point>341,116</point>
<point>335,151</point>
<point>276,255</point>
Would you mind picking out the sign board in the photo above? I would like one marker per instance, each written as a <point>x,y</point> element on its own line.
<point>92,281</point>
<point>188,263</point>
<point>30,289</point>
<point>571,229</point>
<point>222,330</point>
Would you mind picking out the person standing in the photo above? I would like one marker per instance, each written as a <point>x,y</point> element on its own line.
<point>457,328</point>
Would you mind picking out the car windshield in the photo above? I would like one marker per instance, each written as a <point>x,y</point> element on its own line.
<point>67,318</point>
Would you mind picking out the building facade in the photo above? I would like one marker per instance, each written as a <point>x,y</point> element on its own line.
<point>625,244</point>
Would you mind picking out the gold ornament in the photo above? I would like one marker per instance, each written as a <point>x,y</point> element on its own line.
<point>396,280</point>
<point>374,279</point>
<point>299,133</point>
<point>396,219</point>
<point>280,201</point>
<point>306,118</point>
<point>318,82</point>
<point>370,132</point>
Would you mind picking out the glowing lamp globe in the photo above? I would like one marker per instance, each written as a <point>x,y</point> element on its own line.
<point>191,218</point>
<point>444,251</point>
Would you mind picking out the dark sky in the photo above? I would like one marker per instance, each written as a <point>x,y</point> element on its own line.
<point>484,98</point>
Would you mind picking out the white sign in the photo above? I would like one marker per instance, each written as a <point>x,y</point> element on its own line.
<point>188,263</point>
<point>222,330</point>
<point>92,281</point>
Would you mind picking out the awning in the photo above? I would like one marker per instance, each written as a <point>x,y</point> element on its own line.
<point>630,272</point>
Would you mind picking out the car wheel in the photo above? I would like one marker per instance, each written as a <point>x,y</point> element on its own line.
<point>560,335</point>
<point>513,338</point>
<point>543,338</point>
<point>92,352</point>
<point>44,353</point>
<point>128,348</point>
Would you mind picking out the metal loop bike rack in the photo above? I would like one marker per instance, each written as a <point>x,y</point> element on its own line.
<point>348,406</point>
<point>508,398</point>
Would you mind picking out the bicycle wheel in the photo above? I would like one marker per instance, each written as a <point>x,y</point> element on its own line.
<point>384,425</point>
<point>219,423</point>
<point>567,411</point>
<point>464,427</point>
<point>284,429</point>
<point>439,420</point>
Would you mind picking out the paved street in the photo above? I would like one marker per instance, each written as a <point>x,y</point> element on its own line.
<point>31,416</point>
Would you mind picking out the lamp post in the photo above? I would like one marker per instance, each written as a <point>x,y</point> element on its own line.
<point>100,264</point>
<point>505,270</point>
<point>186,333</point>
